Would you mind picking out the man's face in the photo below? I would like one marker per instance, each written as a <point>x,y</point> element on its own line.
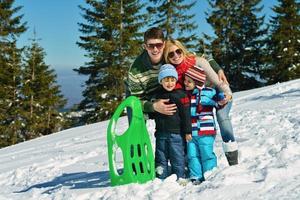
<point>155,49</point>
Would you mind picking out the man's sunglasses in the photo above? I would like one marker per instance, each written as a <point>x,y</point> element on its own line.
<point>153,45</point>
<point>177,52</point>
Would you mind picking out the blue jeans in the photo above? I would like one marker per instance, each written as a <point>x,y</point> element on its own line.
<point>201,156</point>
<point>169,146</point>
<point>224,122</point>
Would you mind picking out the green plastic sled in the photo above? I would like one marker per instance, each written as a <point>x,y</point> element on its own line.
<point>138,158</point>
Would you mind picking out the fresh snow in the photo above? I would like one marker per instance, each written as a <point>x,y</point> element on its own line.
<point>73,164</point>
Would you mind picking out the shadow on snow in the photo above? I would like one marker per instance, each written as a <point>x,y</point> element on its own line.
<point>290,94</point>
<point>79,180</point>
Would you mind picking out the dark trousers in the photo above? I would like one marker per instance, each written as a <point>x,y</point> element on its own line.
<point>128,110</point>
<point>169,147</point>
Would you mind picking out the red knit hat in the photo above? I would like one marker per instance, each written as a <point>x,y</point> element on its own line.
<point>197,74</point>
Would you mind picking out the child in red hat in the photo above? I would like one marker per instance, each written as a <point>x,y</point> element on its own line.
<point>202,160</point>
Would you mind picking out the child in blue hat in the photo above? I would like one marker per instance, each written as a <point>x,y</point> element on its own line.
<point>171,129</point>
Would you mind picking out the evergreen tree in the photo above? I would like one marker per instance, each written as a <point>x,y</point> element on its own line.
<point>42,97</point>
<point>284,43</point>
<point>111,39</point>
<point>10,73</point>
<point>173,16</point>
<point>240,40</point>
<point>10,82</point>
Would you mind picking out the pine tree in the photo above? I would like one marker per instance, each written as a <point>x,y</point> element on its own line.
<point>42,97</point>
<point>173,16</point>
<point>10,73</point>
<point>284,43</point>
<point>10,108</point>
<point>239,42</point>
<point>111,39</point>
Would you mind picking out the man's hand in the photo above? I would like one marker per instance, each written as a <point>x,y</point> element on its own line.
<point>162,107</point>
<point>222,76</point>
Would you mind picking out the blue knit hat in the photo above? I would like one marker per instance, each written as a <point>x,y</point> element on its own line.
<point>167,70</point>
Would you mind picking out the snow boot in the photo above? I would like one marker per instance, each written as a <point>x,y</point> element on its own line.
<point>231,152</point>
<point>183,181</point>
<point>197,181</point>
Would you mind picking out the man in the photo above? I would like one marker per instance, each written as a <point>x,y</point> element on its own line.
<point>142,80</point>
<point>142,76</point>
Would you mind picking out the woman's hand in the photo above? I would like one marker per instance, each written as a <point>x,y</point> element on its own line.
<point>227,98</point>
<point>188,137</point>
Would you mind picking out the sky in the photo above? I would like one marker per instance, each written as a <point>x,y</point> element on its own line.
<point>56,25</point>
<point>73,164</point>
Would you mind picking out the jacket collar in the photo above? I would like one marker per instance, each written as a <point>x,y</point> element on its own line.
<point>147,62</point>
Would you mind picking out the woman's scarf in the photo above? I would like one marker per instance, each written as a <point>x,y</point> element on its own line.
<point>182,68</point>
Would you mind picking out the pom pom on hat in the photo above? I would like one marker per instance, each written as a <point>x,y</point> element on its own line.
<point>197,74</point>
<point>167,70</point>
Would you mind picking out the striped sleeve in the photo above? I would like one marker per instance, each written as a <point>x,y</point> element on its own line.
<point>134,85</point>
<point>142,81</point>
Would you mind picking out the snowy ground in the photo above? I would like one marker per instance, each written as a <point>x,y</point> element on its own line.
<point>73,164</point>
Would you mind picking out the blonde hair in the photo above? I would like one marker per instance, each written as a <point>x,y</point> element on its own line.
<point>172,42</point>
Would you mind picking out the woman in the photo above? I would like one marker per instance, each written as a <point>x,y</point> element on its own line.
<point>176,54</point>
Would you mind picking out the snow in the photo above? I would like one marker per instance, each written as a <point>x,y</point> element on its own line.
<point>73,164</point>
<point>104,95</point>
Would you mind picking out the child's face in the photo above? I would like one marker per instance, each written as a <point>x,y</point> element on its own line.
<point>168,83</point>
<point>189,83</point>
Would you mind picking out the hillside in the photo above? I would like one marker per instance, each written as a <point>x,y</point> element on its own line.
<point>73,164</point>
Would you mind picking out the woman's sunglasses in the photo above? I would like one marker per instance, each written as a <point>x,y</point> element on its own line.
<point>157,45</point>
<point>177,52</point>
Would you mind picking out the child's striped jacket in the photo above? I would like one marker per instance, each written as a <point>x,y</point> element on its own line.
<point>202,117</point>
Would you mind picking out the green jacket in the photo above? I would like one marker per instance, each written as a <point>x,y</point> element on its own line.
<point>142,80</point>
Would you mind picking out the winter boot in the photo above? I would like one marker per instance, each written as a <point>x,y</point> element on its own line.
<point>231,152</point>
<point>197,181</point>
<point>183,181</point>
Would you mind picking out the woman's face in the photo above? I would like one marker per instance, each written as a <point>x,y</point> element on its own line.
<point>175,55</point>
